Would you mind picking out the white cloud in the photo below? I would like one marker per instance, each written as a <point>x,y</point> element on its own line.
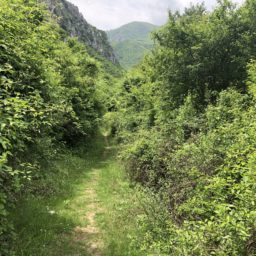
<point>109,14</point>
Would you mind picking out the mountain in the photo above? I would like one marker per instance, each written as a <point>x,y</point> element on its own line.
<point>73,22</point>
<point>131,42</point>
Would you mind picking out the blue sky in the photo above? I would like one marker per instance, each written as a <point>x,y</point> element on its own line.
<point>109,14</point>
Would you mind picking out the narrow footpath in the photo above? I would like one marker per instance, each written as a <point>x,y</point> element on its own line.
<point>94,215</point>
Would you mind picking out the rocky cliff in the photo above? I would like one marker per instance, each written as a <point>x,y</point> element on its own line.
<point>72,21</point>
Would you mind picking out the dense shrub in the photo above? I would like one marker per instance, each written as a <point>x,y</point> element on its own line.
<point>47,98</point>
<point>186,120</point>
<point>207,184</point>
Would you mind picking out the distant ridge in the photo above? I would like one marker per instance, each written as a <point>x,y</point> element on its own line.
<point>131,42</point>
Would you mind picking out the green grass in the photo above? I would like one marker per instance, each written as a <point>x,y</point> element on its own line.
<point>121,208</point>
<point>45,224</point>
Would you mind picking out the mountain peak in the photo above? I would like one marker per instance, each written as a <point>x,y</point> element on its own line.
<point>132,30</point>
<point>139,23</point>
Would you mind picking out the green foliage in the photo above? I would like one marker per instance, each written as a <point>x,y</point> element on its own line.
<point>209,186</point>
<point>204,52</point>
<point>186,122</point>
<point>47,98</point>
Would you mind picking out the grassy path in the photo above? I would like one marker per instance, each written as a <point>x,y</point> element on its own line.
<point>91,213</point>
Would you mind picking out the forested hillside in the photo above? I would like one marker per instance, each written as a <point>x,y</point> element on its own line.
<point>157,161</point>
<point>131,42</point>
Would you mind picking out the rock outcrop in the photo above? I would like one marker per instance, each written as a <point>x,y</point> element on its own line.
<point>73,22</point>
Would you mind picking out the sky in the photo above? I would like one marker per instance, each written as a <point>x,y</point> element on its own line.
<point>111,14</point>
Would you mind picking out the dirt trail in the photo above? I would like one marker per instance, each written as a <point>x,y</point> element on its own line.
<point>81,219</point>
<point>90,235</point>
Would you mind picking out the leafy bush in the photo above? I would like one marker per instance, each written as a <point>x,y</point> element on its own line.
<point>186,122</point>
<point>47,98</point>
